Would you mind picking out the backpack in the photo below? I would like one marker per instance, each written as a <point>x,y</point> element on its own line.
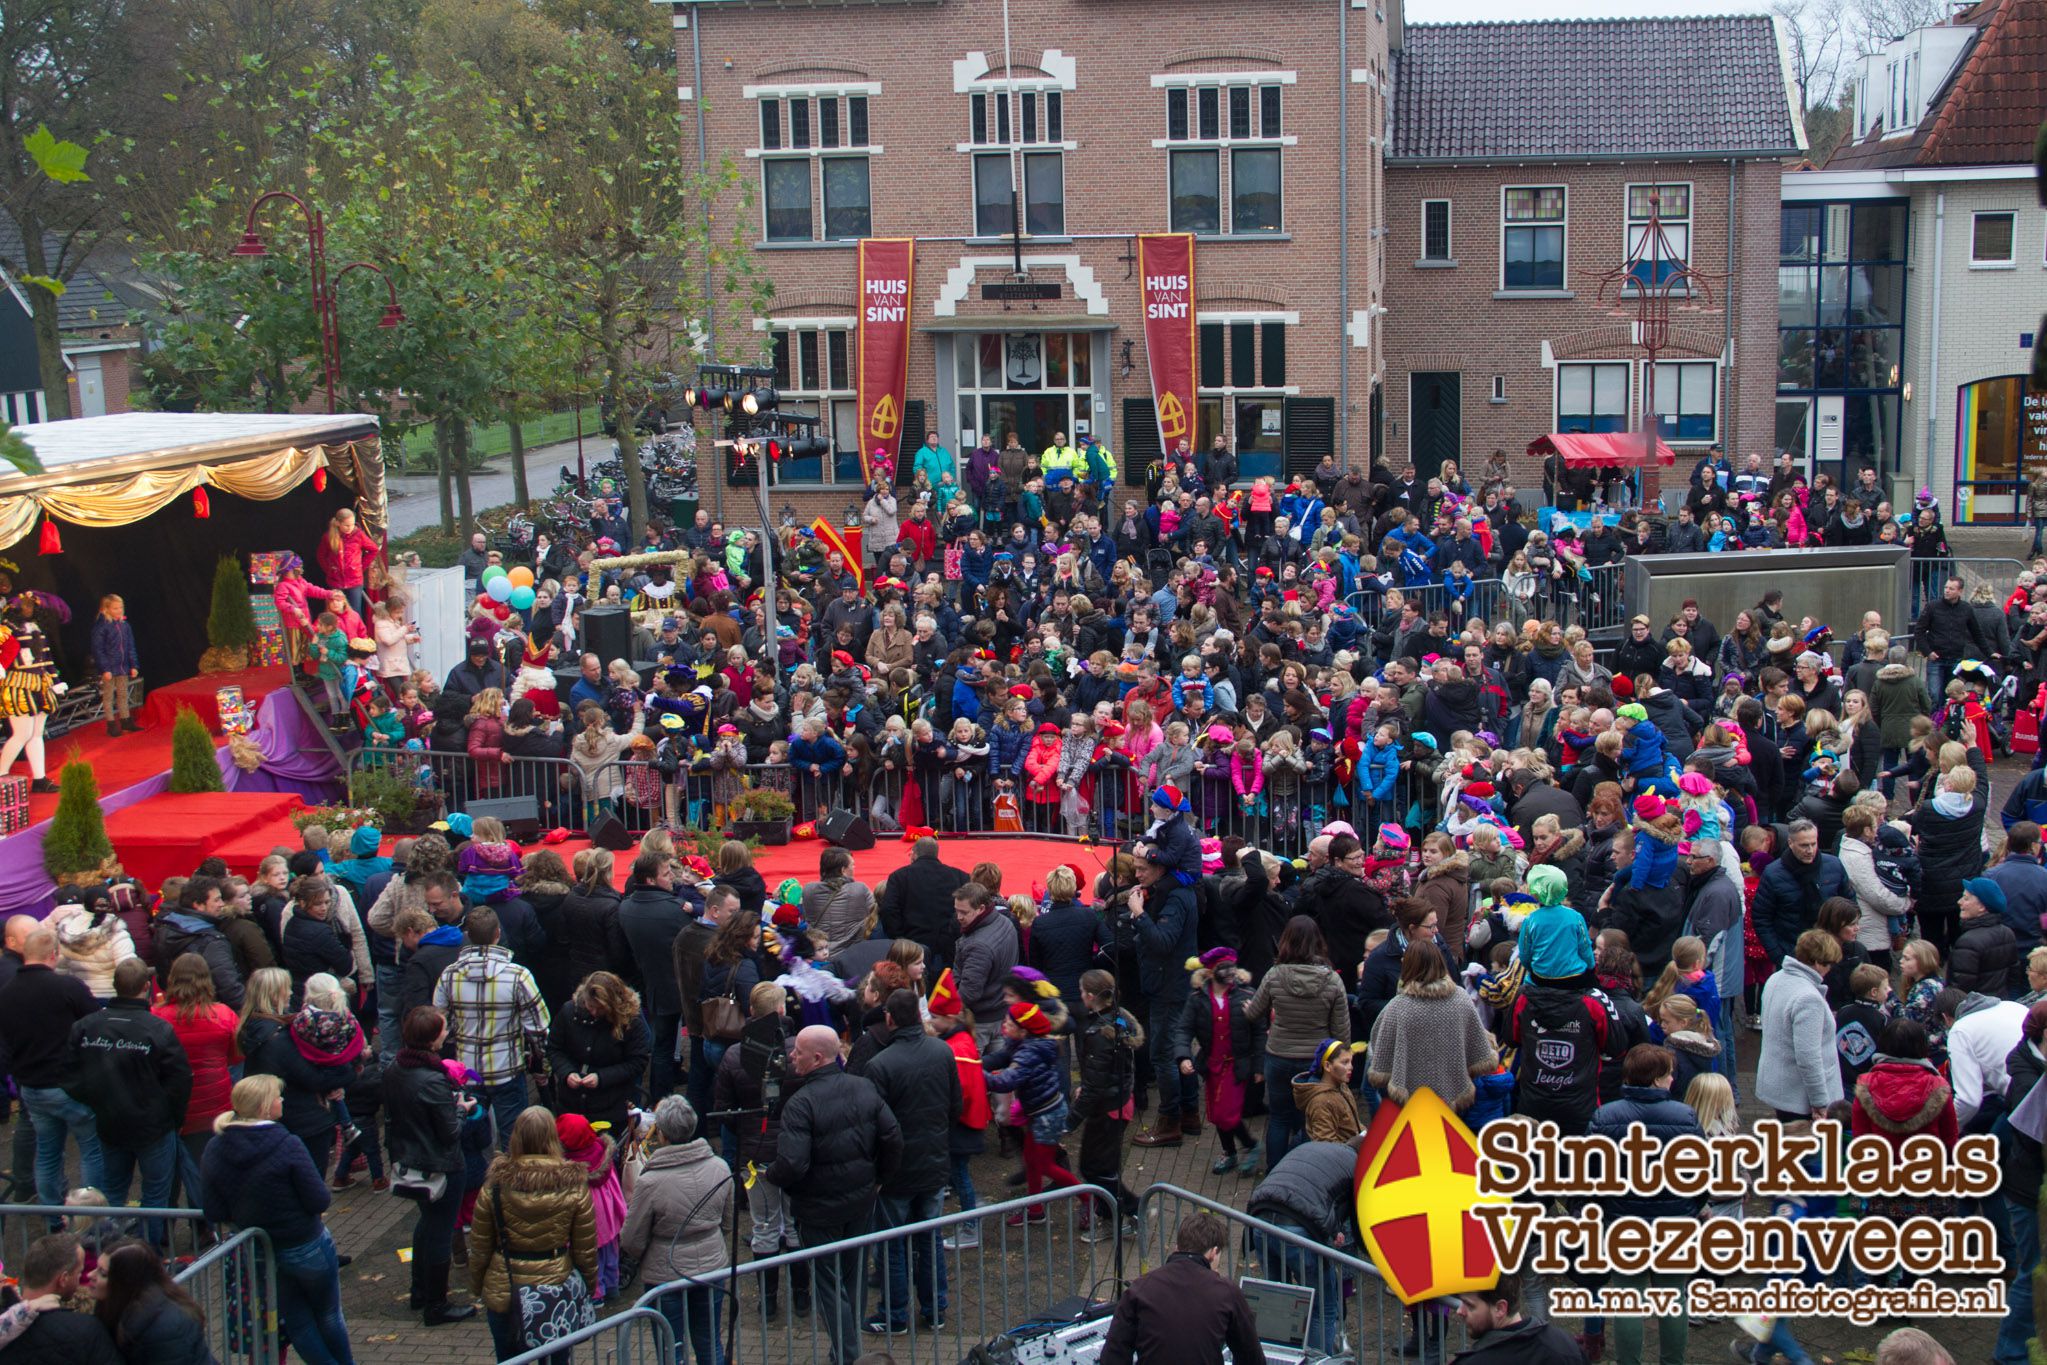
<point>1557,1063</point>
<point>1896,861</point>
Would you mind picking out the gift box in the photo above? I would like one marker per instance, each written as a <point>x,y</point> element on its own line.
<point>13,805</point>
<point>267,566</point>
<point>235,715</point>
<point>264,608</point>
<point>270,649</point>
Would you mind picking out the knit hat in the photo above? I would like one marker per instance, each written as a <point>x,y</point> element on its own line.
<point>1024,690</point>
<point>1031,983</point>
<point>1987,891</point>
<point>1048,728</point>
<point>1336,827</point>
<point>1221,734</point>
<point>1393,836</point>
<point>575,1132</point>
<point>1635,711</point>
<point>790,892</point>
<point>1327,1052</point>
<point>1170,797</point>
<point>1223,955</point>
<point>1649,806</point>
<point>1622,685</point>
<point>363,843</point>
<point>1695,784</point>
<point>1030,1019</point>
<point>460,824</point>
<point>1549,884</point>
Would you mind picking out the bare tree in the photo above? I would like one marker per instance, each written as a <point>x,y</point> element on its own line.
<point>1816,37</point>
<point>1877,23</point>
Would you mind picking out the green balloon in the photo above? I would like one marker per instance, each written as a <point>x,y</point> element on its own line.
<point>494,571</point>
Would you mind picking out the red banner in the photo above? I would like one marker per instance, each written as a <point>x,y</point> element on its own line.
<point>1165,264</point>
<point>835,539</point>
<point>884,345</point>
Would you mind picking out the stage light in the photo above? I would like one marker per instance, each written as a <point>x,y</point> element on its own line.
<point>689,396</point>
<point>766,399</point>
<point>748,404</point>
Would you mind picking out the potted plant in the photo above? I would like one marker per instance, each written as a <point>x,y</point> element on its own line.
<point>763,813</point>
<point>230,622</point>
<point>194,767</point>
<point>389,797</point>
<point>76,851</point>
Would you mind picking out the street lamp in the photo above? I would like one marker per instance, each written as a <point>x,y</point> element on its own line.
<point>1658,278</point>
<point>745,394</point>
<point>324,310</point>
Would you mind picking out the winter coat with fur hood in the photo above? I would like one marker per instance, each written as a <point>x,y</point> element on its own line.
<point>1430,1035</point>
<point>550,1227</point>
<point>90,948</point>
<point>1305,1004</point>
<point>1899,1098</point>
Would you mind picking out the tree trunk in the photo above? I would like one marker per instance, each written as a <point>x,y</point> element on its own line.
<point>50,370</point>
<point>443,461</point>
<point>465,504</point>
<point>624,417</point>
<point>520,494</point>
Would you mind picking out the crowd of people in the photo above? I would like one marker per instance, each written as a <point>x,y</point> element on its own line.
<point>1352,838</point>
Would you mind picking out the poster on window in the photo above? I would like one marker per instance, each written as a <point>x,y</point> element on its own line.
<point>2033,434</point>
<point>1165,264</point>
<point>883,381</point>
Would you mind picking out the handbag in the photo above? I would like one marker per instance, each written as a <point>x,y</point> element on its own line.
<point>546,1312</point>
<point>409,1182</point>
<point>724,1020</point>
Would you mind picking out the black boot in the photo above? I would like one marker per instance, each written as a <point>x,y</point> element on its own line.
<point>417,1299</point>
<point>771,1294</point>
<point>438,1309</point>
<point>799,1290</point>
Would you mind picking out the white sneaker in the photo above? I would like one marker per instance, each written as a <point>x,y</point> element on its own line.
<point>966,1238</point>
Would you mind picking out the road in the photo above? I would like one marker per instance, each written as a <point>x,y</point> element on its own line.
<point>415,501</point>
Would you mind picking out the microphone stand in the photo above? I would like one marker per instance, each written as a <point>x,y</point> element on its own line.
<point>720,1118</point>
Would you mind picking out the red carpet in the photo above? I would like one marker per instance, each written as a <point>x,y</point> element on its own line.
<point>168,836</point>
<point>1024,861</point>
<point>130,758</point>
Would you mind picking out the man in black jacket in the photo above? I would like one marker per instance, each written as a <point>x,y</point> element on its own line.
<point>37,1010</point>
<point>839,1141</point>
<point>919,1080</point>
<point>917,904</point>
<point>1501,1336</point>
<point>57,1335</point>
<point>652,917</point>
<point>129,1068</point>
<point>1185,1311</point>
<point>476,672</point>
<point>1310,1193</point>
<point>1947,632</point>
<point>688,954</point>
<point>194,927</point>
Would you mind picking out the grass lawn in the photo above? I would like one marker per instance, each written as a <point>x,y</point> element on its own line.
<point>490,442</point>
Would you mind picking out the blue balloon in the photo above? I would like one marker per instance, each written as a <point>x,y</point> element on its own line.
<point>522,599</point>
<point>499,589</point>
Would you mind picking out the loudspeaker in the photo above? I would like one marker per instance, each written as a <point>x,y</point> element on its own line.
<point>611,833</point>
<point>565,680</point>
<point>608,633</point>
<point>521,814</point>
<point>847,830</point>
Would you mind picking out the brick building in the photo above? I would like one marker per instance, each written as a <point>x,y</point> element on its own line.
<point>1524,157</point>
<point>101,346</point>
<point>1261,129</point>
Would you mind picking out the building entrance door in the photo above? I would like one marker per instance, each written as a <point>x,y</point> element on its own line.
<point>1435,420</point>
<point>1035,419</point>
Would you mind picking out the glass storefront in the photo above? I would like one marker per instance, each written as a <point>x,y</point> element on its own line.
<point>1841,332</point>
<point>2000,441</point>
<point>1035,384</point>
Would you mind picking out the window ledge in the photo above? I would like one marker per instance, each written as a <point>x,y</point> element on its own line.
<point>1028,240</point>
<point>1993,265</point>
<point>1243,236</point>
<point>1497,402</point>
<point>1535,294</point>
<point>847,245</point>
<point>1449,263</point>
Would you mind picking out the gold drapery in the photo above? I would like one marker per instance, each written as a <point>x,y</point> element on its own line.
<point>264,478</point>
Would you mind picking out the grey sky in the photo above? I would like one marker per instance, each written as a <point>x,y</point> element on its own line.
<point>1468,11</point>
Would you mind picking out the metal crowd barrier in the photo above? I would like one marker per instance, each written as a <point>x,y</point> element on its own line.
<point>1355,1315</point>
<point>1012,1278</point>
<point>638,1336</point>
<point>183,1230</point>
<point>235,1285</point>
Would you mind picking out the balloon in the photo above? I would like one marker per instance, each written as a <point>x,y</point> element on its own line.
<point>501,611</point>
<point>499,588</point>
<point>521,598</point>
<point>522,577</point>
<point>491,573</point>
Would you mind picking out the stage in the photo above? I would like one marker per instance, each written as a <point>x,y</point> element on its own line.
<point>1024,861</point>
<point>168,836</point>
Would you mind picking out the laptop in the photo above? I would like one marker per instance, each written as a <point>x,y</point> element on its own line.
<point>1282,1312</point>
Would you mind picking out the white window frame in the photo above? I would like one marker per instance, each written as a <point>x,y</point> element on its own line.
<point>1499,388</point>
<point>1223,145</point>
<point>1449,256</point>
<point>1629,223</point>
<point>2007,262</point>
<point>782,96</point>
<point>825,399</point>
<point>1563,283</point>
<point>824,204</point>
<point>1627,370</point>
<point>1000,90</point>
<point>1674,372</point>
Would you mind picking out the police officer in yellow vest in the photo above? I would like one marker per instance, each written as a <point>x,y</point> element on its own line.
<point>1060,462</point>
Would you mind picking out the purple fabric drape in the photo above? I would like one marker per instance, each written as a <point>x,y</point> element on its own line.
<point>295,759</point>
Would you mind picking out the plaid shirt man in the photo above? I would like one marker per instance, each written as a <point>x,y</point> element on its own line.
<point>494,1012</point>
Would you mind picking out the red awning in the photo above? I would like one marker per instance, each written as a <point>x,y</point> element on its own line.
<point>1605,450</point>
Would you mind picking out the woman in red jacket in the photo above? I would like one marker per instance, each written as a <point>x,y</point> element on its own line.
<point>345,554</point>
<point>206,1028</point>
<point>1902,1096</point>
